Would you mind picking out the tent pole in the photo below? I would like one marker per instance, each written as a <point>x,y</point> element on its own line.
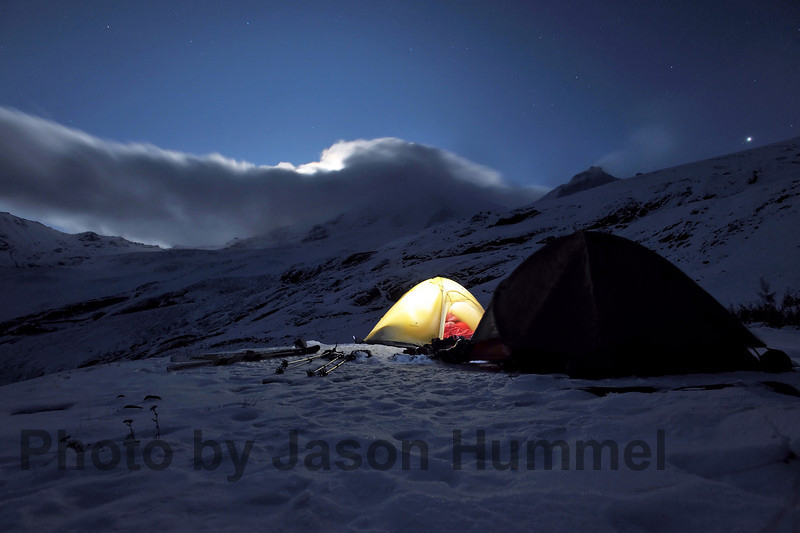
<point>444,311</point>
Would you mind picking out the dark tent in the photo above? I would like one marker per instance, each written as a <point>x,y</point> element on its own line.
<point>597,305</point>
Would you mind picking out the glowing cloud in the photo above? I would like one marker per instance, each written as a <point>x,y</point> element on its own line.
<point>66,177</point>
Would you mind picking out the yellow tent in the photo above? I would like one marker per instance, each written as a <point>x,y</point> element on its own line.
<point>426,312</point>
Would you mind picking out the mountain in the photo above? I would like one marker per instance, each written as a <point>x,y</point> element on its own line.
<point>25,243</point>
<point>728,222</point>
<point>588,179</point>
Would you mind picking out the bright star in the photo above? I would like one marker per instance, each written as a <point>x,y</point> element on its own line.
<point>749,139</point>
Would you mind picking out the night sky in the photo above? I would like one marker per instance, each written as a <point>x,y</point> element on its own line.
<point>534,90</point>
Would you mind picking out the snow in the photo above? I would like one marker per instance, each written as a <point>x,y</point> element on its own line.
<point>729,454</point>
<point>88,325</point>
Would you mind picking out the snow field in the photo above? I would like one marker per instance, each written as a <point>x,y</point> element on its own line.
<point>730,454</point>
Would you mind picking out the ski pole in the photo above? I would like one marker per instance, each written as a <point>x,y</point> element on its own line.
<point>325,372</point>
<point>322,368</point>
<point>344,358</point>
<point>286,363</point>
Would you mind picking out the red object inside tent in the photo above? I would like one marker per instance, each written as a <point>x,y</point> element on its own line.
<point>453,327</point>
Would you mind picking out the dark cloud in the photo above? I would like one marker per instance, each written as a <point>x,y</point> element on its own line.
<point>68,178</point>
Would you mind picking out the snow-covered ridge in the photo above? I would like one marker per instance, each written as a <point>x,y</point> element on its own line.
<point>588,179</point>
<point>727,222</point>
<point>26,243</point>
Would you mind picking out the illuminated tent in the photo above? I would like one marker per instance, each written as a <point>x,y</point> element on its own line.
<point>436,308</point>
<point>596,305</point>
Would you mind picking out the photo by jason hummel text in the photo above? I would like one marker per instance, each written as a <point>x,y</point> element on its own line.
<point>498,455</point>
<point>470,451</point>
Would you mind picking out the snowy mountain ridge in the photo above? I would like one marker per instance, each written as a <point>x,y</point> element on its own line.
<point>727,222</point>
<point>588,179</point>
<point>29,243</point>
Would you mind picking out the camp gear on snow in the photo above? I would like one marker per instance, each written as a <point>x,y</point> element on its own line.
<point>335,360</point>
<point>333,357</point>
<point>597,305</point>
<point>342,360</point>
<point>286,363</point>
<point>422,313</point>
<point>228,358</point>
<point>339,361</point>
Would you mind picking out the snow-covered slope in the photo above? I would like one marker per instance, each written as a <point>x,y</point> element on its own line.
<point>727,222</point>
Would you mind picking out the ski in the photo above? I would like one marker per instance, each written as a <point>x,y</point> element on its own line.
<point>229,358</point>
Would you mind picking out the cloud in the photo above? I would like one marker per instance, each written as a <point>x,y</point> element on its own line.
<point>647,149</point>
<point>63,176</point>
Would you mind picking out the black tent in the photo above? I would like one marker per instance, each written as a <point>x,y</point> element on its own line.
<point>597,305</point>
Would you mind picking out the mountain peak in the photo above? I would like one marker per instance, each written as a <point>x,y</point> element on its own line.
<point>588,179</point>
<point>26,243</point>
